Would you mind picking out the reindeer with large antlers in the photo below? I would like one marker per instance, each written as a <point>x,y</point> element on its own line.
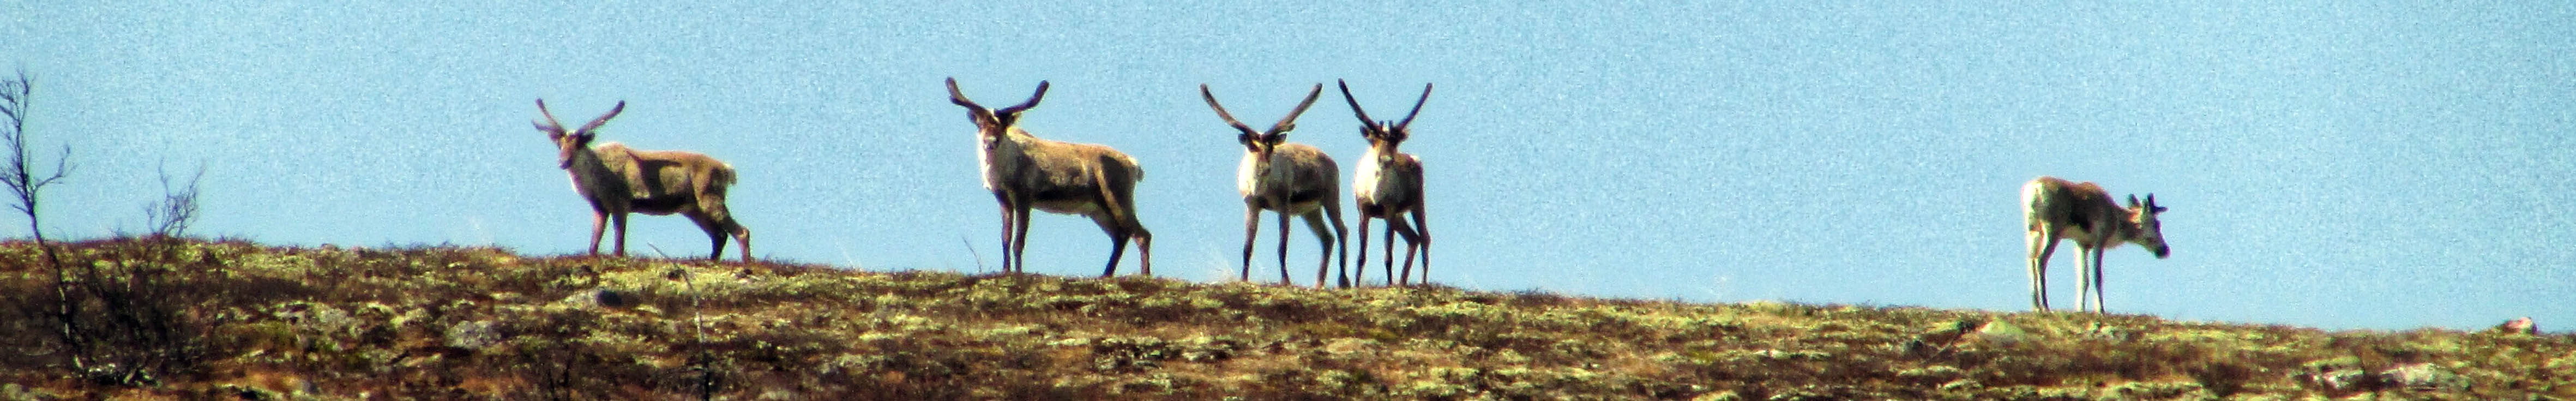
<point>2059,209</point>
<point>617,180</point>
<point>1389,186</point>
<point>1024,171</point>
<point>1291,178</point>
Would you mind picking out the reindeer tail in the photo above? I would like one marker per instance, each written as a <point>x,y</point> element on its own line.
<point>722,174</point>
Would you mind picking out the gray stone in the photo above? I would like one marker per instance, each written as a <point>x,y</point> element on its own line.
<point>595,297</point>
<point>473,335</point>
<point>2424,376</point>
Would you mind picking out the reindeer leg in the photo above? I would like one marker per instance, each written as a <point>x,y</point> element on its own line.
<point>1412,243</point>
<point>720,222</point>
<point>2041,245</point>
<point>1360,275</point>
<point>1251,230</point>
<point>1118,210</point>
<point>598,226</point>
<point>1323,257</point>
<point>1283,246</point>
<point>1391,224</point>
<point>620,220</point>
<point>1019,251</point>
<point>1005,203</point>
<point>1333,211</point>
<point>2084,276</point>
<point>715,233</point>
<point>1144,246</point>
<point>1117,241</point>
<point>1419,224</point>
<point>2100,304</point>
<point>741,235</point>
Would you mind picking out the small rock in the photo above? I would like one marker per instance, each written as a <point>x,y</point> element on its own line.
<point>473,335</point>
<point>2424,376</point>
<point>1719,396</point>
<point>2340,379</point>
<point>595,297</point>
<point>2519,326</point>
<point>2001,333</point>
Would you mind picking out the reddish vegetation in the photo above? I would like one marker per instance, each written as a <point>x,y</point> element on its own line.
<point>233,320</point>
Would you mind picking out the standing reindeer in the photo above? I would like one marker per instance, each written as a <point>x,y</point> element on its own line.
<point>1291,178</point>
<point>1388,186</point>
<point>616,180</point>
<point>1024,171</point>
<point>2059,209</point>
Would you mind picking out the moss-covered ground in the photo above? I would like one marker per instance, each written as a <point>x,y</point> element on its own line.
<point>237,320</point>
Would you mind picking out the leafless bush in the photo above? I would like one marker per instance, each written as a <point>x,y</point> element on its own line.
<point>24,184</point>
<point>178,207</point>
<point>20,175</point>
<point>119,319</point>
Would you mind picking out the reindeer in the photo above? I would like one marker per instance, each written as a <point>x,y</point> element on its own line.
<point>2059,209</point>
<point>1024,171</point>
<point>1291,178</point>
<point>616,180</point>
<point>1388,186</point>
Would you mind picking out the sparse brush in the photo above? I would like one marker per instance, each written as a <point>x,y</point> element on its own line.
<point>451,322</point>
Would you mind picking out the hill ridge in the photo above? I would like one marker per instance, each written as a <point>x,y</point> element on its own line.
<point>247,321</point>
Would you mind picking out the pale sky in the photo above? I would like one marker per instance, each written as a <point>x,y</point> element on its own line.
<point>2331,164</point>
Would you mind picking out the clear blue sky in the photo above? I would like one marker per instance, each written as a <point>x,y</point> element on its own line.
<point>2328,163</point>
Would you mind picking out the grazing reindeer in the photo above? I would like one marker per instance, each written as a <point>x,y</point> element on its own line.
<point>1388,186</point>
<point>1291,178</point>
<point>1069,178</point>
<point>616,180</point>
<point>2058,209</point>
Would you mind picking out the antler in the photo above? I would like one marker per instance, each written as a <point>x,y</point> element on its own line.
<point>1417,107</point>
<point>551,124</point>
<point>1355,104</point>
<point>959,98</point>
<point>1033,100</point>
<point>603,118</point>
<point>1229,117</point>
<point>1290,122</point>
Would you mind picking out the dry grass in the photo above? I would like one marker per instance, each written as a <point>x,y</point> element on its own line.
<point>482,323</point>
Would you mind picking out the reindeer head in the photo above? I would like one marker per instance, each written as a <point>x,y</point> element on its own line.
<point>1383,136</point>
<point>1261,143</point>
<point>567,143</point>
<point>991,124</point>
<point>2150,232</point>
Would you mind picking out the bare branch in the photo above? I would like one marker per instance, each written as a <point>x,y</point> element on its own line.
<point>23,181</point>
<point>178,207</point>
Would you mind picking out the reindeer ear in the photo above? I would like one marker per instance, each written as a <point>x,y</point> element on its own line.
<point>2133,200</point>
<point>1275,138</point>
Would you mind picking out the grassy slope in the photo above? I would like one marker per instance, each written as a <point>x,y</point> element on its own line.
<point>480,323</point>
